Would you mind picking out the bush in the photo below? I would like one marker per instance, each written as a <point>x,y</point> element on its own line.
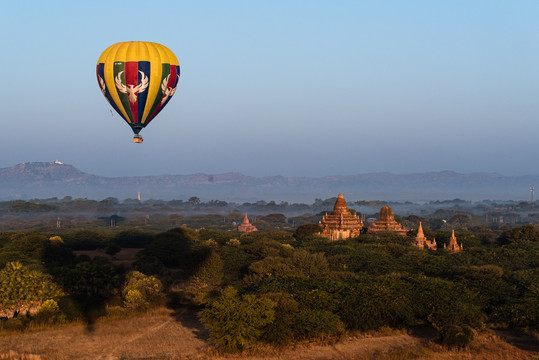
<point>21,287</point>
<point>371,304</point>
<point>15,324</point>
<point>139,290</point>
<point>48,312</point>
<point>135,300</point>
<point>112,249</point>
<point>81,307</point>
<point>297,263</point>
<point>85,240</point>
<point>69,306</point>
<point>233,242</point>
<point>178,249</point>
<point>318,323</point>
<point>234,320</point>
<point>133,239</point>
<point>445,304</point>
<point>459,336</point>
<point>282,331</point>
<point>207,277</point>
<point>95,278</point>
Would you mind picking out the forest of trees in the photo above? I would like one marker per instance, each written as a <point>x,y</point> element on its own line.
<point>277,286</point>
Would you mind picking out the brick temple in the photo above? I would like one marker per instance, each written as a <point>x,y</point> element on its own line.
<point>386,222</point>
<point>422,242</point>
<point>340,224</point>
<point>246,226</point>
<point>453,245</point>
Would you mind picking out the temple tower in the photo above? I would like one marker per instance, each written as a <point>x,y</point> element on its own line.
<point>422,242</point>
<point>246,226</point>
<point>340,224</point>
<point>386,222</point>
<point>453,245</point>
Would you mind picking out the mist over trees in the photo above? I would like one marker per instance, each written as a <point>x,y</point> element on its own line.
<point>63,261</point>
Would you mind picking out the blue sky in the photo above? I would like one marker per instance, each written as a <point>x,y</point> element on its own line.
<point>293,88</point>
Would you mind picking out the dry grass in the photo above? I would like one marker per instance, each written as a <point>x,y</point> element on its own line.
<point>155,336</point>
<point>13,355</point>
<point>165,335</point>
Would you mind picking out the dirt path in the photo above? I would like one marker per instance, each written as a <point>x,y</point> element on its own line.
<point>149,337</point>
<point>180,336</point>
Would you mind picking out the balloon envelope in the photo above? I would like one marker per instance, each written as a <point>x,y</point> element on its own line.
<point>138,78</point>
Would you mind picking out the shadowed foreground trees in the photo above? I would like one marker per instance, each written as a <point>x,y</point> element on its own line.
<point>280,287</point>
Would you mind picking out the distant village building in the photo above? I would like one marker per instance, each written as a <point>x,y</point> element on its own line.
<point>422,242</point>
<point>453,245</point>
<point>386,222</point>
<point>340,224</point>
<point>246,226</point>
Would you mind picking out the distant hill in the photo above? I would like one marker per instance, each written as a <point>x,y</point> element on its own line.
<point>55,179</point>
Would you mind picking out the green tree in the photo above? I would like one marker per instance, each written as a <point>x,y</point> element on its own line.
<point>284,330</point>
<point>208,276</point>
<point>525,233</point>
<point>112,249</point>
<point>94,278</point>
<point>234,320</point>
<point>370,303</point>
<point>49,312</point>
<point>177,248</point>
<point>447,306</point>
<point>304,231</point>
<point>20,288</point>
<point>298,263</point>
<point>140,290</point>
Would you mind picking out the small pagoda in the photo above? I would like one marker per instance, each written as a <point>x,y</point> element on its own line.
<point>246,226</point>
<point>386,222</point>
<point>422,242</point>
<point>453,245</point>
<point>340,224</point>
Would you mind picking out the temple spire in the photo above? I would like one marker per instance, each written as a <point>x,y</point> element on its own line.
<point>453,244</point>
<point>340,224</point>
<point>246,226</point>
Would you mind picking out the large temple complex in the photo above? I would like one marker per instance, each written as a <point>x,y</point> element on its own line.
<point>386,222</point>
<point>340,224</point>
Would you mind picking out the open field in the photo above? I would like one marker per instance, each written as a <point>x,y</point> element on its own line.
<point>168,335</point>
<point>126,256</point>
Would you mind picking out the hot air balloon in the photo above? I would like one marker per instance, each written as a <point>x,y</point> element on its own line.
<point>138,78</point>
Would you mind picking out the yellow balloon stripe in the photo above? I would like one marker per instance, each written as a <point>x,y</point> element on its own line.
<point>139,51</point>
<point>112,55</point>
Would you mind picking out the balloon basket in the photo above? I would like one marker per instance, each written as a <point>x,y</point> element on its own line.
<point>137,139</point>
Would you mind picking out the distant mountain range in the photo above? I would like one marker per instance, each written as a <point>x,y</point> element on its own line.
<point>55,179</point>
